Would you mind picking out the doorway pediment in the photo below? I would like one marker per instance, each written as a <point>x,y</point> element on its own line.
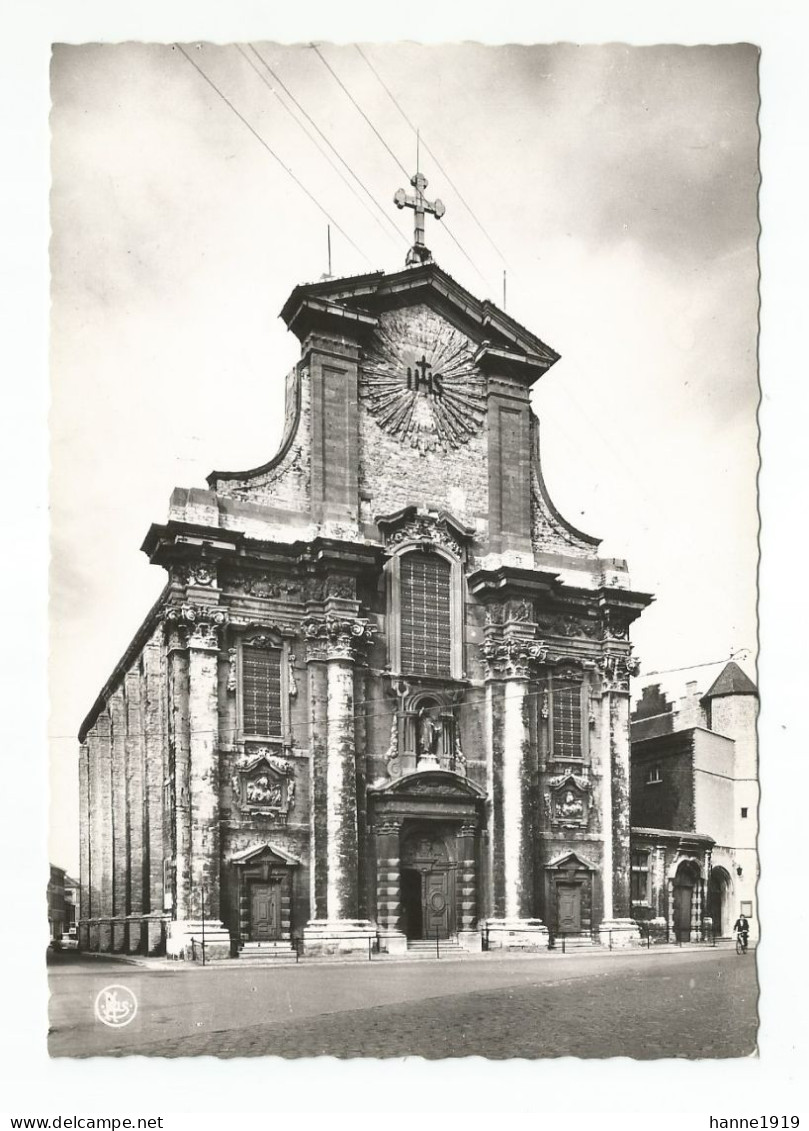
<point>261,853</point>
<point>431,783</point>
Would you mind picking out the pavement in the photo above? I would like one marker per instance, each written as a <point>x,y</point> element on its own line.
<point>646,1004</point>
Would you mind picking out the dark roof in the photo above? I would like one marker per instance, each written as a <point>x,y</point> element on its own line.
<point>731,681</point>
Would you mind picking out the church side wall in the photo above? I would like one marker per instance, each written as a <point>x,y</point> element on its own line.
<point>122,765</point>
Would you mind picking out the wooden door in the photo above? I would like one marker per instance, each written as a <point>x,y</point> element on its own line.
<point>568,901</point>
<point>682,912</point>
<point>265,912</point>
<point>436,904</point>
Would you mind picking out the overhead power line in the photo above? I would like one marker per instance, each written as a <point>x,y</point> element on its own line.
<point>438,164</point>
<point>272,152</point>
<point>273,74</point>
<point>354,102</point>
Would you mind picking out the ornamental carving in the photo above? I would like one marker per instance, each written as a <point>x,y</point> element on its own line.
<point>420,383</point>
<point>614,625</point>
<point>264,784</point>
<point>567,625</point>
<point>616,670</point>
<point>426,532</point>
<point>503,612</point>
<point>336,637</point>
<point>512,658</point>
<point>195,625</point>
<point>265,585</point>
<point>198,574</point>
<point>569,800</point>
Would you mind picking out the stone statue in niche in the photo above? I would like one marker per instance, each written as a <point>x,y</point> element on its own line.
<point>429,732</point>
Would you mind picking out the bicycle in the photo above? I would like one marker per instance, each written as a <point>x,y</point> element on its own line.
<point>741,942</point>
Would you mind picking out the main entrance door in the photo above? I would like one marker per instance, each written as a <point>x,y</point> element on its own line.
<point>427,887</point>
<point>436,904</point>
<point>265,912</point>
<point>569,908</point>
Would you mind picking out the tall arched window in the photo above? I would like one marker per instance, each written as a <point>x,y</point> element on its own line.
<point>425,603</point>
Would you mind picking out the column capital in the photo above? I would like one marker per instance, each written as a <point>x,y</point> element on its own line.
<point>336,638</point>
<point>193,625</point>
<point>512,657</point>
<point>616,669</point>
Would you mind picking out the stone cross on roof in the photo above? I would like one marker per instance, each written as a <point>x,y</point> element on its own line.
<point>419,252</point>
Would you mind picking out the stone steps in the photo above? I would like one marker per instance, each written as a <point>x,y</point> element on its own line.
<point>426,947</point>
<point>282,951</point>
<point>576,942</point>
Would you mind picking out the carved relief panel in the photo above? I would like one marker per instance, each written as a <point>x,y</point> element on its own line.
<point>569,800</point>
<point>264,785</point>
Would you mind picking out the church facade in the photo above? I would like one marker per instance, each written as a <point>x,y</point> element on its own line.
<point>384,694</point>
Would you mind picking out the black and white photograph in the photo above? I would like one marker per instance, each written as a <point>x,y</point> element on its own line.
<point>404,635</point>
<point>440,693</point>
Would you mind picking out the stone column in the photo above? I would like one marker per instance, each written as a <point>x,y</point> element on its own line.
<point>341,789</point>
<point>341,930</point>
<point>509,661</point>
<point>157,832</point>
<point>466,842</point>
<point>179,768</point>
<point>617,923</point>
<point>388,887</point>
<point>318,698</point>
<point>197,792</point>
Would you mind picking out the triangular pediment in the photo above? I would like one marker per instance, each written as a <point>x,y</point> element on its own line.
<point>570,860</point>
<point>360,299</point>
<point>266,851</point>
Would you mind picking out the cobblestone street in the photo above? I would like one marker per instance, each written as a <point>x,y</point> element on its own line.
<point>642,1005</point>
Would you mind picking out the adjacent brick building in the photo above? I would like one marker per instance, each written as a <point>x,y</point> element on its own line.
<point>384,693</point>
<point>694,807</point>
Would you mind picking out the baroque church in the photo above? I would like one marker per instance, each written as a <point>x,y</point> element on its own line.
<point>384,695</point>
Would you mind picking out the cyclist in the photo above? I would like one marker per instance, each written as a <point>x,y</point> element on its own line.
<point>742,929</point>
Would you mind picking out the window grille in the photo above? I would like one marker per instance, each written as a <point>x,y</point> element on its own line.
<point>426,615</point>
<point>566,708</point>
<point>261,691</point>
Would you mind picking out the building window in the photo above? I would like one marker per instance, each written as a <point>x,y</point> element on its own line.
<point>425,602</point>
<point>640,877</point>
<point>744,811</point>
<point>261,692</point>
<point>654,776</point>
<point>566,730</point>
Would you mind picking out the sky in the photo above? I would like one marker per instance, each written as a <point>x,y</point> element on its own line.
<point>617,187</point>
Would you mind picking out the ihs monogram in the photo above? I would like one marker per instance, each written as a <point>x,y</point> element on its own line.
<point>420,383</point>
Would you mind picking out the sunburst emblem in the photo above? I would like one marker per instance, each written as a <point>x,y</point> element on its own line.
<point>420,382</point>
